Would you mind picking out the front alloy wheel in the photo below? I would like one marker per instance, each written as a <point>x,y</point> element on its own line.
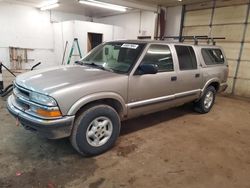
<point>95,130</point>
<point>99,131</point>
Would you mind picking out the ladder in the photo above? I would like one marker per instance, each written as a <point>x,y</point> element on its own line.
<point>72,50</point>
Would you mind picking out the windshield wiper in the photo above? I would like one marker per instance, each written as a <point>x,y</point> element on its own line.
<point>79,62</point>
<point>94,65</point>
<point>98,66</point>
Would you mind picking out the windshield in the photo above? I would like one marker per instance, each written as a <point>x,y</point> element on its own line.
<point>114,56</point>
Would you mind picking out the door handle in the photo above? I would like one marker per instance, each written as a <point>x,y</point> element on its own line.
<point>173,78</point>
<point>197,75</point>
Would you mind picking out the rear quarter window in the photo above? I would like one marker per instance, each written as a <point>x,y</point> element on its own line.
<point>212,56</point>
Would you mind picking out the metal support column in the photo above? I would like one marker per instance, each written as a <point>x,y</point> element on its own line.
<point>241,49</point>
<point>182,22</point>
<point>212,18</point>
<point>1,77</point>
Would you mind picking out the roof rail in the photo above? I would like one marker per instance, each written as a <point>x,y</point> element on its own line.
<point>183,38</point>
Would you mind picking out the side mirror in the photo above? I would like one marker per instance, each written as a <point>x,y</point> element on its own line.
<point>147,69</point>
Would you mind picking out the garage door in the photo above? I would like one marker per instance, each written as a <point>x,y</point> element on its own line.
<point>228,19</point>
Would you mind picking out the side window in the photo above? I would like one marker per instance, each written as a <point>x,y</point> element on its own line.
<point>186,57</point>
<point>159,55</point>
<point>212,56</point>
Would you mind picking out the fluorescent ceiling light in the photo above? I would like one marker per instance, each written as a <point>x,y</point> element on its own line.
<point>50,6</point>
<point>103,5</point>
<point>46,5</point>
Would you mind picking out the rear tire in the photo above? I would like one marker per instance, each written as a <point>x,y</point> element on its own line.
<point>206,102</point>
<point>95,130</point>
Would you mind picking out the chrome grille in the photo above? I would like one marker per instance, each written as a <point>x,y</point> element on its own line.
<point>21,92</point>
<point>21,96</point>
<point>23,102</point>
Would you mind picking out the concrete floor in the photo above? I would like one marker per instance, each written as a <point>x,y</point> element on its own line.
<point>175,148</point>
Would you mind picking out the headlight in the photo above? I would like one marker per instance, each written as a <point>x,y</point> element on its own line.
<point>42,99</point>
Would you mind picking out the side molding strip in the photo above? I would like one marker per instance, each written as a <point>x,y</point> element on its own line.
<point>147,102</point>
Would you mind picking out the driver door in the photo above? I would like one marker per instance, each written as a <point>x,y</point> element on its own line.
<point>153,92</point>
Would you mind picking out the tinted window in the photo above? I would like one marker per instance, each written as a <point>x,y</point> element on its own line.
<point>186,56</point>
<point>159,55</point>
<point>212,56</point>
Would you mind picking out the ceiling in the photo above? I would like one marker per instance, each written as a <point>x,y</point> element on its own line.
<point>168,3</point>
<point>68,6</point>
<point>72,6</point>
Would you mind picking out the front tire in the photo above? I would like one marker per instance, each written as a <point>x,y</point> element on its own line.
<point>206,102</point>
<point>95,130</point>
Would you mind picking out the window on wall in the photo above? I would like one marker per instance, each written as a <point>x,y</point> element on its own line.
<point>186,57</point>
<point>212,56</point>
<point>159,55</point>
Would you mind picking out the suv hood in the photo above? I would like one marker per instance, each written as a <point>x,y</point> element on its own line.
<point>48,81</point>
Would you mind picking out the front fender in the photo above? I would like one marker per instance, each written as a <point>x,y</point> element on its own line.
<point>94,97</point>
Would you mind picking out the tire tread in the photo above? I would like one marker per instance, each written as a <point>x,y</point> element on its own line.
<point>84,112</point>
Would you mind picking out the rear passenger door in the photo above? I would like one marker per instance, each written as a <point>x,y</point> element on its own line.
<point>189,78</point>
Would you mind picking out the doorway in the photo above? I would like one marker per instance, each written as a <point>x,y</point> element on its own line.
<point>94,39</point>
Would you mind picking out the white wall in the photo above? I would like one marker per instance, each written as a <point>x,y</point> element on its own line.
<point>134,24</point>
<point>67,31</point>
<point>26,27</point>
<point>63,32</point>
<point>173,21</point>
<point>109,32</point>
<point>20,25</point>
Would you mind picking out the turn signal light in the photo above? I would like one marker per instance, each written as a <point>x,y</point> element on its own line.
<point>46,113</point>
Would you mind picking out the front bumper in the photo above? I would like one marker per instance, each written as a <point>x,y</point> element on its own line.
<point>52,129</point>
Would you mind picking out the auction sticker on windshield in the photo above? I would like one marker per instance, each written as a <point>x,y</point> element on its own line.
<point>131,46</point>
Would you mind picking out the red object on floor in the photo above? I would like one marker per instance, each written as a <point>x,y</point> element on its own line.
<point>18,173</point>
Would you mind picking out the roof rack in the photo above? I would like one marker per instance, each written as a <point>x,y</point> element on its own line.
<point>196,38</point>
<point>183,38</point>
